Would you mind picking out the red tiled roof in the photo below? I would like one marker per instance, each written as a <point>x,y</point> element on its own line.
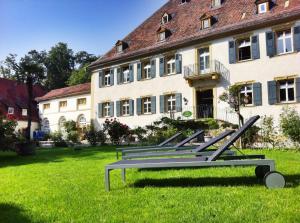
<point>185,25</point>
<point>68,91</point>
<point>14,94</point>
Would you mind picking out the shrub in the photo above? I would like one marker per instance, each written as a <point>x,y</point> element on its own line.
<point>73,136</point>
<point>140,133</point>
<point>58,140</point>
<point>94,137</point>
<point>117,131</point>
<point>7,133</point>
<point>72,131</point>
<point>269,134</point>
<point>290,124</point>
<point>250,137</point>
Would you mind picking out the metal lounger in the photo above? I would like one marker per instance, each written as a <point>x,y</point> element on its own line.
<point>159,145</point>
<point>264,167</point>
<point>178,146</point>
<point>197,151</point>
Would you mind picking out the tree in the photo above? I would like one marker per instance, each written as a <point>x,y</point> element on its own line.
<point>60,62</point>
<point>30,71</point>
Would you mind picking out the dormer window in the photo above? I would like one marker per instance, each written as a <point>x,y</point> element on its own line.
<point>216,3</point>
<point>206,21</point>
<point>163,34</point>
<point>183,1</point>
<point>121,46</point>
<point>165,19</point>
<point>10,110</point>
<point>263,6</point>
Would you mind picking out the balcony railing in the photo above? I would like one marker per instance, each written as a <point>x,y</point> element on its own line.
<point>194,71</point>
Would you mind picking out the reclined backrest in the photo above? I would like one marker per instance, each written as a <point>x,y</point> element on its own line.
<point>170,139</point>
<point>233,138</point>
<point>182,143</point>
<point>213,141</point>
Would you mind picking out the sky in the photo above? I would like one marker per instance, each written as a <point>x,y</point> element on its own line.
<point>90,25</point>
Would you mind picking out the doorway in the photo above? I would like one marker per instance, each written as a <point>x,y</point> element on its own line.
<point>205,104</point>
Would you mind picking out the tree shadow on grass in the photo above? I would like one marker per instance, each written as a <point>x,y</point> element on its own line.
<point>10,213</point>
<point>53,155</point>
<point>291,181</point>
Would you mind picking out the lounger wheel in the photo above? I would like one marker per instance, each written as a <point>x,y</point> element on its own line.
<point>274,179</point>
<point>261,171</point>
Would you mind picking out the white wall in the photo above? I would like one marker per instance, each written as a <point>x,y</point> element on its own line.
<point>72,112</point>
<point>261,70</point>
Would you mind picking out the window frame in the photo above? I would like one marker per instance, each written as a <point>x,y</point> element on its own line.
<point>171,61</point>
<point>120,48</point>
<point>238,47</point>
<point>245,92</point>
<point>284,40</point>
<point>170,98</point>
<point>146,106</point>
<point>259,9</point>
<point>107,79</point>
<point>106,109</point>
<point>46,106</point>
<point>125,108</point>
<point>10,110</point>
<point>206,23</point>
<point>127,79</point>
<point>162,36</point>
<point>79,100</point>
<point>63,104</point>
<point>286,88</point>
<point>146,72</point>
<point>24,114</point>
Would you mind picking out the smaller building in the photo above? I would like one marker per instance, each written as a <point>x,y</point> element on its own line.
<point>65,104</point>
<point>14,103</point>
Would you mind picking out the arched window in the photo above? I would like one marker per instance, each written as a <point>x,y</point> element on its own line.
<point>45,125</point>
<point>81,121</point>
<point>61,124</point>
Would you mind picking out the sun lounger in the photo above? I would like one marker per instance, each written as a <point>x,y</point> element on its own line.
<point>153,148</point>
<point>197,151</point>
<point>264,167</point>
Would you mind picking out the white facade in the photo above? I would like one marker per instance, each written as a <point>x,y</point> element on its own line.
<point>263,70</point>
<point>69,108</point>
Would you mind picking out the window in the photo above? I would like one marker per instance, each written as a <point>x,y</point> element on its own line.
<point>126,76</point>
<point>46,106</point>
<point>81,121</point>
<point>11,110</point>
<point>120,48</point>
<point>125,108</point>
<point>286,90</point>
<point>81,101</point>
<point>216,3</point>
<point>106,109</point>
<point>204,60</point>
<point>165,19</point>
<point>162,36</point>
<point>146,102</point>
<point>146,70</point>
<point>183,1</point>
<point>24,112</point>
<point>246,94</point>
<point>244,49</point>
<point>107,79</point>
<point>171,68</point>
<point>63,104</point>
<point>45,125</point>
<point>171,103</point>
<point>263,7</point>
<point>206,23</point>
<point>284,42</point>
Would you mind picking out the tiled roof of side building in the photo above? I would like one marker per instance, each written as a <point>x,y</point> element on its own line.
<point>14,94</point>
<point>185,25</point>
<point>65,92</point>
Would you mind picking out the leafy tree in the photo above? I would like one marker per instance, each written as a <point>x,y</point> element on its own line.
<point>29,70</point>
<point>79,76</point>
<point>7,133</point>
<point>60,63</point>
<point>83,58</point>
<point>290,124</point>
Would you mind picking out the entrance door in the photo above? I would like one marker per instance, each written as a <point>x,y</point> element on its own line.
<point>204,60</point>
<point>205,104</point>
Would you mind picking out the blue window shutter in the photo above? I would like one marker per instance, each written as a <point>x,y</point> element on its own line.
<point>139,106</point>
<point>298,89</point>
<point>270,43</point>
<point>297,38</point>
<point>162,103</point>
<point>118,108</point>
<point>161,66</point>
<point>153,105</point>
<point>178,102</point>
<point>119,76</point>
<point>257,94</point>
<point>153,68</point>
<point>255,47</point>
<point>131,76</point>
<point>232,52</point>
<point>272,92</point>
<point>139,71</point>
<point>100,111</point>
<point>112,109</point>
<point>101,79</point>
<point>178,63</point>
<point>131,107</point>
<point>112,75</point>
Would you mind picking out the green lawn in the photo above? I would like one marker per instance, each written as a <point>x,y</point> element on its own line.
<point>63,185</point>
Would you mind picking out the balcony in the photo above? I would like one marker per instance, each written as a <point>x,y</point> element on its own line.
<point>213,71</point>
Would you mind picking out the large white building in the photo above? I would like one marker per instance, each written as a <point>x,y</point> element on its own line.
<point>189,52</point>
<point>65,104</point>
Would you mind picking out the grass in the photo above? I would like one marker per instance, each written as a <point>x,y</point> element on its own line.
<point>62,185</point>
